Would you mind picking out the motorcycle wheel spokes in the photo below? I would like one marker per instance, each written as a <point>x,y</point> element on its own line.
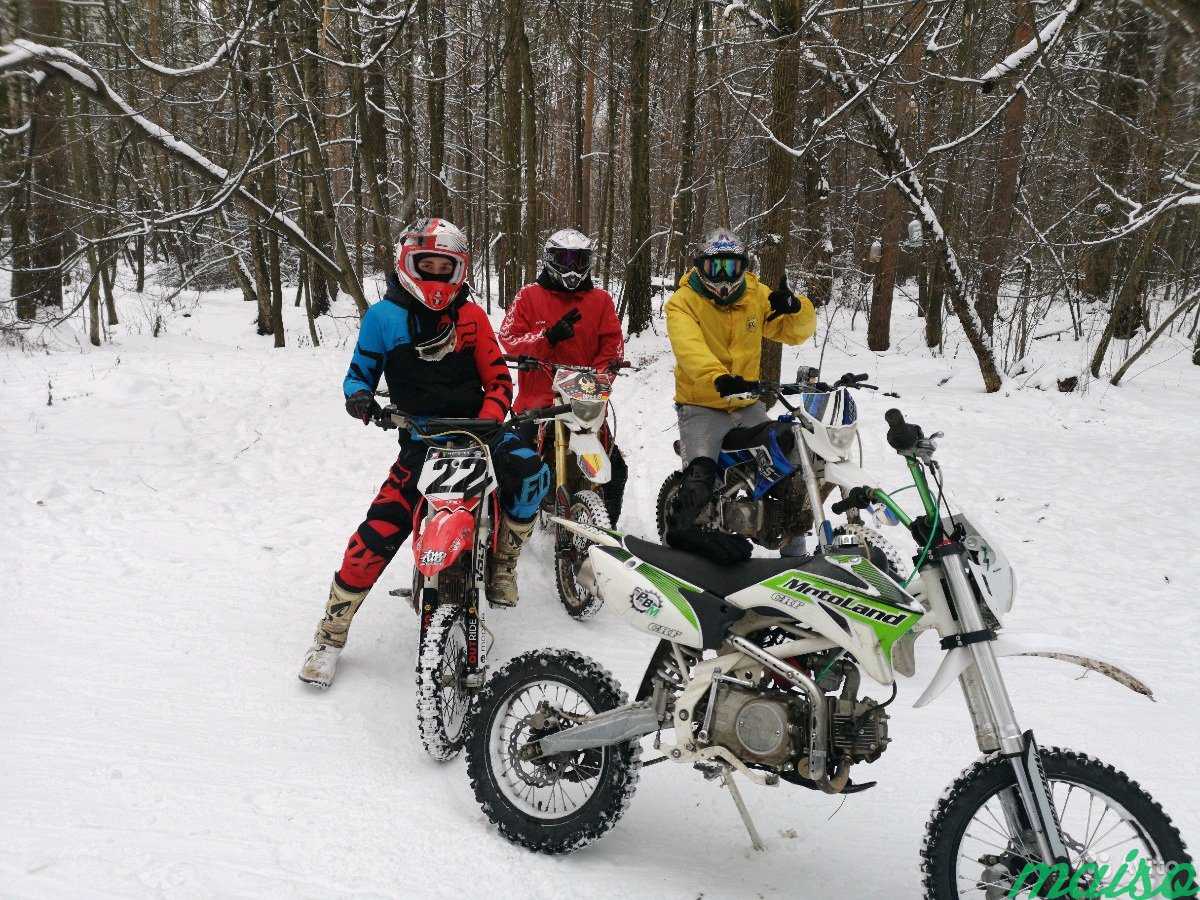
<point>546,789</point>
<point>1095,827</point>
<point>970,850</point>
<point>449,680</point>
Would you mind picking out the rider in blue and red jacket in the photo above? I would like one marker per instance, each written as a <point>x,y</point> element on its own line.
<point>438,353</point>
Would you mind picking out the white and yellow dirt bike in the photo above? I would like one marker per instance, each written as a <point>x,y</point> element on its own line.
<point>584,491</point>
<point>757,673</point>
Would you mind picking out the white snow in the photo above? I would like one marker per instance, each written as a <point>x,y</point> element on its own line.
<point>172,518</point>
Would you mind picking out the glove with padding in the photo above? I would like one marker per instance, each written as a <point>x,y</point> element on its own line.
<point>732,385</point>
<point>363,406</point>
<point>783,301</point>
<point>564,328</point>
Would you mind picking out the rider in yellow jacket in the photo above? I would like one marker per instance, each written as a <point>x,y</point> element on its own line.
<point>716,321</point>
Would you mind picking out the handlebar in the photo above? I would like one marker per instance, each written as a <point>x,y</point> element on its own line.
<point>526,363</point>
<point>849,380</point>
<point>432,426</point>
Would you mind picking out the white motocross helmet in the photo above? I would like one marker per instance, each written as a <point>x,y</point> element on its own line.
<point>721,261</point>
<point>567,258</point>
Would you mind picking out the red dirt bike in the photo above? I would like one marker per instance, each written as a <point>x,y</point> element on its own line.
<point>581,491</point>
<point>454,531</point>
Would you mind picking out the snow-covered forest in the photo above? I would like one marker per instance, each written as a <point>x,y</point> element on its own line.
<point>994,208</point>
<point>996,160</point>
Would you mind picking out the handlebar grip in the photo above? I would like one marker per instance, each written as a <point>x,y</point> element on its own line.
<point>901,436</point>
<point>546,412</point>
<point>841,506</point>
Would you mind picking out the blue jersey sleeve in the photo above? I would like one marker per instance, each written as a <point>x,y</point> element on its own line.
<point>383,329</point>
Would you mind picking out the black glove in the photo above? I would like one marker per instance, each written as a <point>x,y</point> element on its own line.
<point>783,301</point>
<point>728,385</point>
<point>564,328</point>
<point>361,405</point>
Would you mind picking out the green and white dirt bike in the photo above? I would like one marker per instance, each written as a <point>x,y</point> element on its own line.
<point>757,673</point>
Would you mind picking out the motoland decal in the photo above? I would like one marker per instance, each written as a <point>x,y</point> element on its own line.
<point>889,622</point>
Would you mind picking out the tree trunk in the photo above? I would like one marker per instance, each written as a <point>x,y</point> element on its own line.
<point>685,199</point>
<point>437,109</point>
<point>510,258</point>
<point>1127,314</point>
<point>879,324</point>
<point>777,224</point>
<point>42,282</point>
<point>636,296</point>
<point>717,127</point>
<point>529,126</point>
<point>368,90</point>
<point>1110,151</point>
<point>996,233</point>
<point>589,119</point>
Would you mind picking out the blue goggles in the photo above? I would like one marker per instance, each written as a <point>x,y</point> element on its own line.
<point>722,268</point>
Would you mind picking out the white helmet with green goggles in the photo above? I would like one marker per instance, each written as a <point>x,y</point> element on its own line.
<point>720,262</point>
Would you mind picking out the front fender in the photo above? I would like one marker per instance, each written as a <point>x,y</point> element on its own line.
<point>1049,646</point>
<point>846,474</point>
<point>591,456</point>
<point>445,536</point>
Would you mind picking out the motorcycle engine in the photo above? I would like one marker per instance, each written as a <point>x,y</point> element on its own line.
<point>859,729</point>
<point>755,726</point>
<point>743,516</point>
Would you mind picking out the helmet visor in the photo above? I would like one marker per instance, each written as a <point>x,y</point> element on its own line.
<point>436,267</point>
<point>722,268</point>
<point>571,259</point>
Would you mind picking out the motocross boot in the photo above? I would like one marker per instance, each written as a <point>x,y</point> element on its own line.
<point>682,531</point>
<point>502,566</point>
<point>320,662</point>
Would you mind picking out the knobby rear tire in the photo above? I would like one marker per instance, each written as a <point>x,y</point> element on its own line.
<point>666,496</point>
<point>619,767</point>
<point>587,508</point>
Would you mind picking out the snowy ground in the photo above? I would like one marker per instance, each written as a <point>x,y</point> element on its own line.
<point>173,508</point>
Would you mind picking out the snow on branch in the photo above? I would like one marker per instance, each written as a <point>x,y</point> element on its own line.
<point>1036,48</point>
<point>1142,214</point>
<point>219,54</point>
<point>60,62</point>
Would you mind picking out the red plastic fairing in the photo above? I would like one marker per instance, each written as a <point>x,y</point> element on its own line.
<point>446,535</point>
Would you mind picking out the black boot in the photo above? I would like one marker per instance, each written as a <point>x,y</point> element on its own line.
<point>684,534</point>
<point>614,491</point>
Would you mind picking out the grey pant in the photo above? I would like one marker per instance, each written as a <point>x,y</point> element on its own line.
<point>701,430</point>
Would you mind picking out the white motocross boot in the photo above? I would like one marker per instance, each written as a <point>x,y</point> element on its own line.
<point>320,662</point>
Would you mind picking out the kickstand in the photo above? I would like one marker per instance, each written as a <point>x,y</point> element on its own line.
<point>727,780</point>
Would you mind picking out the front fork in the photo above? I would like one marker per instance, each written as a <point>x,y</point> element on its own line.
<point>562,490</point>
<point>996,725</point>
<point>474,588</point>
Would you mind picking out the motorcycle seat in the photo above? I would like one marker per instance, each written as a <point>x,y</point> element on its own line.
<point>714,578</point>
